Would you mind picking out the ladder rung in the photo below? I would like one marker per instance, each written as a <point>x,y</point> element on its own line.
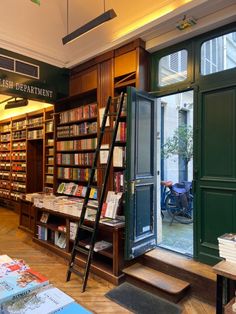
<point>91,207</point>
<point>87,228</point>
<point>81,249</point>
<point>77,272</point>
<point>94,187</point>
<point>111,115</point>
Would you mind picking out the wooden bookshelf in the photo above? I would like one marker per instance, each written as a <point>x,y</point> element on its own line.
<point>106,263</point>
<point>22,146</point>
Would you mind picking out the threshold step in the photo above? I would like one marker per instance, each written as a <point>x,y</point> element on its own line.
<point>169,285</point>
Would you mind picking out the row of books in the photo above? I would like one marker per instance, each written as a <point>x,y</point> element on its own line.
<point>5,166</point>
<point>5,146</point>
<point>79,174</point>
<point>5,184</point>
<point>121,132</point>
<point>18,186</point>
<point>77,129</point>
<point>5,156</point>
<point>18,155</point>
<point>5,137</point>
<point>18,135</point>
<point>83,159</point>
<point>4,193</point>
<point>5,128</point>
<point>49,126</point>
<point>33,122</point>
<point>34,134</point>
<point>89,143</point>
<point>17,125</point>
<point>76,190</point>
<point>82,112</point>
<point>118,181</point>
<point>18,176</point>
<point>49,179</point>
<point>19,145</point>
<point>4,175</point>
<point>18,166</point>
<point>23,290</point>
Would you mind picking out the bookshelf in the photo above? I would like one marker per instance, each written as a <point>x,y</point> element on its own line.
<point>76,140</point>
<point>5,158</point>
<point>48,151</point>
<point>57,233</point>
<point>18,157</point>
<point>23,142</point>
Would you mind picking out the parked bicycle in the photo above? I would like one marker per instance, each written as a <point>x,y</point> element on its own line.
<point>177,200</point>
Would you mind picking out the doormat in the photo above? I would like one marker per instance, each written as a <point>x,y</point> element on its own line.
<point>140,301</point>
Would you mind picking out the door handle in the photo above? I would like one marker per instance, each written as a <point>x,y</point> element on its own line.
<point>132,185</point>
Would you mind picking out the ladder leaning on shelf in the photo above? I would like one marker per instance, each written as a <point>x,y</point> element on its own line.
<point>78,247</point>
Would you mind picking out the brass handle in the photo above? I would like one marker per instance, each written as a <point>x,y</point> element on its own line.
<point>132,187</point>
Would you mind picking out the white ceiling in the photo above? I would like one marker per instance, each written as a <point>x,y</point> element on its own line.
<point>37,31</point>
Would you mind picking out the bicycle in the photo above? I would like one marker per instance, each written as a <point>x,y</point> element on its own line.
<point>178,201</point>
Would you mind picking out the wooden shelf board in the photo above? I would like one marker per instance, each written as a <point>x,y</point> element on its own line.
<point>86,135</point>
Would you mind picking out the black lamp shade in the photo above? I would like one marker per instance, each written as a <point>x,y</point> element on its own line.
<point>106,16</point>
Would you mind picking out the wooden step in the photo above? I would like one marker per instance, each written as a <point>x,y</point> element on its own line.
<point>156,282</point>
<point>200,276</point>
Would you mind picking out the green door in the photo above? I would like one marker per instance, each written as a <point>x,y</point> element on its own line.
<point>141,174</point>
<point>215,172</point>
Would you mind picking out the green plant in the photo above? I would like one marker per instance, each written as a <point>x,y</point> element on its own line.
<point>180,144</point>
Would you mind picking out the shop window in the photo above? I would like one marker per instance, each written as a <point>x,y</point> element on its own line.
<point>173,68</point>
<point>218,54</point>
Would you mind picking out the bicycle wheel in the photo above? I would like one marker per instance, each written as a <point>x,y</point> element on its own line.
<point>176,212</point>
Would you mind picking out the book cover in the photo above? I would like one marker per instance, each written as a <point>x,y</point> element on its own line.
<point>17,283</point>
<point>73,308</point>
<point>44,300</point>
<point>227,238</point>
<point>5,259</point>
<point>100,245</point>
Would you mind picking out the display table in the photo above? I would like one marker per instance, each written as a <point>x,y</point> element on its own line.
<point>226,272</point>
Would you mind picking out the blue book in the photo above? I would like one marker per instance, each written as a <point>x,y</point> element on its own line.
<point>73,308</point>
<point>15,284</point>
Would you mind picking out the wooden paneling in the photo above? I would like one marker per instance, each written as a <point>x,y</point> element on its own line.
<point>125,63</point>
<point>83,82</point>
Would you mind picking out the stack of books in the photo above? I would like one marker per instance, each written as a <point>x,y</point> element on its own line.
<point>227,247</point>
<point>23,290</point>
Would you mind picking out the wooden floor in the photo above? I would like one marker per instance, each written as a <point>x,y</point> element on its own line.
<point>18,244</point>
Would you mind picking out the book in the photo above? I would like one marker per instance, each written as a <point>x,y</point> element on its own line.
<point>15,284</point>
<point>73,308</point>
<point>100,245</point>
<point>46,299</point>
<point>44,217</point>
<point>228,238</point>
<point>5,259</point>
<point>112,222</point>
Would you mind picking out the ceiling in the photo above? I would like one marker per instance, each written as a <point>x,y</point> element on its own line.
<point>37,31</point>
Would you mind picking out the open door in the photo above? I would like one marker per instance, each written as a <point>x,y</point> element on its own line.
<point>141,174</point>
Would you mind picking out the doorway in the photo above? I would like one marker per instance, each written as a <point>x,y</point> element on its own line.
<point>176,167</point>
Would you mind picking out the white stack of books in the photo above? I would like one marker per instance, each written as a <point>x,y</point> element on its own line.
<point>227,247</point>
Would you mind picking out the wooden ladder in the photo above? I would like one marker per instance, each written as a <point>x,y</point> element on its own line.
<point>78,246</point>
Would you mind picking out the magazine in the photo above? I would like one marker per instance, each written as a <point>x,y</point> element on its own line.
<point>44,300</point>
<point>17,283</point>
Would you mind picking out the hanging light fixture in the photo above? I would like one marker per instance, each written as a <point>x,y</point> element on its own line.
<point>104,17</point>
<point>16,103</point>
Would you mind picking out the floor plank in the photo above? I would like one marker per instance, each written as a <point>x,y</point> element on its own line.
<point>18,244</point>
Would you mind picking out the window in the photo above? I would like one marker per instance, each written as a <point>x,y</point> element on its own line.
<point>218,54</point>
<point>173,68</point>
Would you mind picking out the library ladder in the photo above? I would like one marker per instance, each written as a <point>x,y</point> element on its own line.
<point>78,246</point>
